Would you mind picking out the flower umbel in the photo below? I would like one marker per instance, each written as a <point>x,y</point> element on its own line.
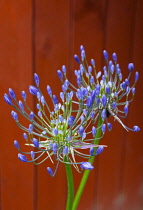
<point>104,93</point>
<point>57,133</point>
<point>68,132</point>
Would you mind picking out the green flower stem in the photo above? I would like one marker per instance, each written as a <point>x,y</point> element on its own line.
<point>70,183</point>
<point>86,172</point>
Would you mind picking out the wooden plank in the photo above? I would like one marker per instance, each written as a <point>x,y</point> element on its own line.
<point>16,72</point>
<point>52,50</point>
<point>89,21</point>
<point>133,163</point>
<point>118,38</point>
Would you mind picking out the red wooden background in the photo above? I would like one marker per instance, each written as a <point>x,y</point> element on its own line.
<point>41,36</point>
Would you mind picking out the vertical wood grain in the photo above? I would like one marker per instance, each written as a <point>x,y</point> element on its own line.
<point>52,33</point>
<point>89,21</point>
<point>133,165</point>
<point>118,37</point>
<point>16,72</point>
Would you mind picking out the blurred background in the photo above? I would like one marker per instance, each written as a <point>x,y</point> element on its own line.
<point>41,36</point>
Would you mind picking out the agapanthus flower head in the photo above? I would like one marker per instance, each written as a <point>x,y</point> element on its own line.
<point>60,134</point>
<point>105,92</point>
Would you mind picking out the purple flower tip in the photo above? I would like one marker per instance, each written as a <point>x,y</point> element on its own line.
<point>86,165</point>
<point>77,59</point>
<point>33,90</point>
<point>50,171</point>
<point>7,99</point>
<point>36,79</point>
<point>32,154</point>
<point>91,151</point>
<point>99,150</point>
<point>16,144</point>
<point>14,115</point>
<point>12,93</point>
<point>23,158</point>
<point>60,75</point>
<point>36,142</point>
<point>130,66</point>
<point>136,128</point>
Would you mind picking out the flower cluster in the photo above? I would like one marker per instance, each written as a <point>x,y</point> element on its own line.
<point>70,127</point>
<point>104,93</point>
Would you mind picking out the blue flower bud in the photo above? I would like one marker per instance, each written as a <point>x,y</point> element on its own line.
<point>64,69</point>
<point>112,69</point>
<point>91,151</point>
<point>83,55</point>
<point>55,100</point>
<point>62,96</point>
<point>114,105</point>
<point>14,115</point>
<point>78,80</point>
<point>60,75</point>
<point>30,129</point>
<point>23,95</point>
<point>39,113</point>
<point>55,147</point>
<point>69,138</point>
<point>33,90</point>
<point>42,100</point>
<point>126,110</point>
<point>21,106</point>
<point>89,102</point>
<point>36,79</point>
<point>89,69</point>
<point>103,114</point>
<point>77,59</point>
<point>127,82</point>
<point>103,78</point>
<point>98,74</point>
<point>109,126</point>
<point>93,131</point>
<point>92,62</point>
<point>49,90</point>
<point>32,154</point>
<point>108,89</point>
<point>130,67</point>
<point>65,150</point>
<point>105,55</point>
<point>38,96</point>
<point>55,131</point>
<point>50,171</point>
<point>136,128</point>
<point>7,99</point>
<point>23,158</point>
<point>99,150</point>
<point>114,56</point>
<point>16,144</point>
<point>86,165</point>
<point>12,93</point>
<point>81,131</point>
<point>104,100</point>
<point>136,76</point>
<point>92,80</point>
<point>35,142</point>
<point>38,106</point>
<point>25,136</point>
<point>123,85</point>
<point>81,47</point>
<point>133,91</point>
<point>61,118</point>
<point>118,71</point>
<point>120,76</point>
<point>82,118</point>
<point>103,128</point>
<point>71,120</point>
